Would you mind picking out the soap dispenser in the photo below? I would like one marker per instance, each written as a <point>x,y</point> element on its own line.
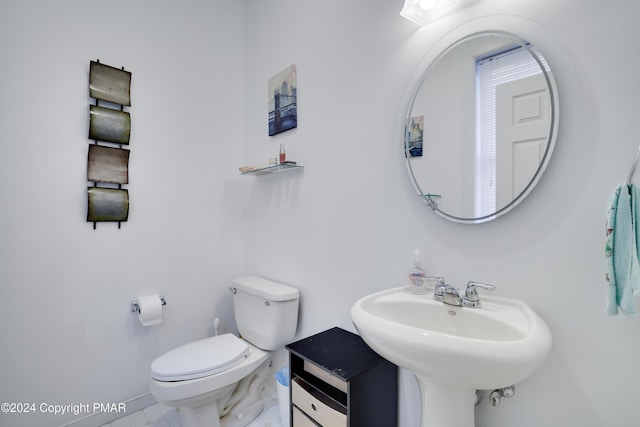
<point>417,276</point>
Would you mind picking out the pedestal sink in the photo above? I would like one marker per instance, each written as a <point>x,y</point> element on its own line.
<point>453,351</point>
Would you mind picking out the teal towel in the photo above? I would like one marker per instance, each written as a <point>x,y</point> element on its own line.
<point>622,251</point>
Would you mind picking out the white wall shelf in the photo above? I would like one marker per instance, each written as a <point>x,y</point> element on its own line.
<point>271,169</point>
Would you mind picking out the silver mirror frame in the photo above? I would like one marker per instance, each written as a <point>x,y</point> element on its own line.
<point>551,141</point>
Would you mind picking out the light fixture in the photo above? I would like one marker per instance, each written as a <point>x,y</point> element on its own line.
<point>422,12</point>
<point>427,4</point>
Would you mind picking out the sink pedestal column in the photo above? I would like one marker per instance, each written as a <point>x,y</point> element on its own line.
<point>445,405</point>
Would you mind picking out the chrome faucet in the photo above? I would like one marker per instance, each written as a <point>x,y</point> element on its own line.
<point>451,296</point>
<point>447,294</point>
<point>471,297</point>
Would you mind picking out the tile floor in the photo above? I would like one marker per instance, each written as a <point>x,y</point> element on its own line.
<point>159,415</point>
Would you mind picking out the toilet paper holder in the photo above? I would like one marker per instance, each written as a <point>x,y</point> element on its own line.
<point>135,305</point>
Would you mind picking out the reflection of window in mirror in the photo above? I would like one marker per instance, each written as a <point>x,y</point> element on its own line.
<point>494,69</point>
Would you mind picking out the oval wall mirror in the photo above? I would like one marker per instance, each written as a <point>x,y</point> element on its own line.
<point>481,126</point>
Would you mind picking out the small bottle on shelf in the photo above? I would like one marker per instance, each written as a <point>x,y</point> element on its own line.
<point>283,154</point>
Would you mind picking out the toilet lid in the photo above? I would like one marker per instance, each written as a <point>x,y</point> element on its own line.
<point>200,358</point>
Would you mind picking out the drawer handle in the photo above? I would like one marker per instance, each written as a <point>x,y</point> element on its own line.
<point>313,406</point>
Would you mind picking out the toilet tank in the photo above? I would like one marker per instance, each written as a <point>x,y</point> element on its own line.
<point>266,312</point>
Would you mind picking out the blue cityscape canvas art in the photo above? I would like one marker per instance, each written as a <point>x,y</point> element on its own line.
<point>414,136</point>
<point>283,93</point>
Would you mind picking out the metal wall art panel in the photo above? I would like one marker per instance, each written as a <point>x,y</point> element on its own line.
<point>106,164</point>
<point>107,204</point>
<point>109,84</point>
<point>106,124</point>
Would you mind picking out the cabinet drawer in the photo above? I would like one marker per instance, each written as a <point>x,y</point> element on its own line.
<point>325,376</point>
<point>315,404</point>
<point>301,420</point>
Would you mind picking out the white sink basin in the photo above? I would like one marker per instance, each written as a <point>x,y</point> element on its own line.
<point>453,350</point>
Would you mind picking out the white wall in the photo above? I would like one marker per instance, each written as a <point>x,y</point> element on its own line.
<point>347,225</point>
<point>66,331</point>
<point>448,164</point>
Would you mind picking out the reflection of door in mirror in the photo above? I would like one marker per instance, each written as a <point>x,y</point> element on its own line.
<point>522,126</point>
<point>513,122</point>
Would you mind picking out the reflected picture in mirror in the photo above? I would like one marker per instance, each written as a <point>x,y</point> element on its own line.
<point>414,136</point>
<point>490,113</point>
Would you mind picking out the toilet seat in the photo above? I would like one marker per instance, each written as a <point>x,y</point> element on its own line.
<point>200,358</point>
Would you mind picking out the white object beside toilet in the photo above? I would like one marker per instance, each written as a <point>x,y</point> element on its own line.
<point>220,376</point>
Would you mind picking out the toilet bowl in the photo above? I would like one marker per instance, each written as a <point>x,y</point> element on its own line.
<point>191,383</point>
<point>220,376</point>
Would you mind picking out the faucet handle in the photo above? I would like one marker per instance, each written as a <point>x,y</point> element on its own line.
<point>440,285</point>
<point>439,281</point>
<point>440,288</point>
<point>471,297</point>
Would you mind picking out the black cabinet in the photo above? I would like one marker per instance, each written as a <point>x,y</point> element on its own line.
<point>338,381</point>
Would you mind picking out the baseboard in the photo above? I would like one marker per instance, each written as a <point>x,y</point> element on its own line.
<point>97,419</point>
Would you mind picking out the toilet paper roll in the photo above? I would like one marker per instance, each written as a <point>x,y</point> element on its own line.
<point>150,312</point>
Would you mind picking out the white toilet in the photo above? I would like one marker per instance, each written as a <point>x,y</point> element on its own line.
<point>219,377</point>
